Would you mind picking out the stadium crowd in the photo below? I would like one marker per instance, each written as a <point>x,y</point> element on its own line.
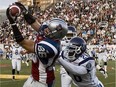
<point>95,21</point>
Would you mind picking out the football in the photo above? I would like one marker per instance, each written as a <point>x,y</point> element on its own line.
<point>15,10</point>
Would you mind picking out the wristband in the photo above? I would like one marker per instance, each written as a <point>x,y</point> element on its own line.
<point>29,18</point>
<point>17,34</point>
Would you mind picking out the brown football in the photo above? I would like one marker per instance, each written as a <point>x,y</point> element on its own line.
<point>15,10</point>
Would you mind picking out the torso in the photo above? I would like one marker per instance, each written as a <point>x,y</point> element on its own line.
<point>89,79</point>
<point>42,64</point>
<point>16,52</point>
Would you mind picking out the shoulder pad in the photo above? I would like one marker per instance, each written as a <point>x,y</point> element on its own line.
<point>47,48</point>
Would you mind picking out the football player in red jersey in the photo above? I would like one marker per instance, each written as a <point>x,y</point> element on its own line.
<point>46,50</point>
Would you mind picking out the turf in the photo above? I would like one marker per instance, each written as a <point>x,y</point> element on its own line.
<point>5,68</point>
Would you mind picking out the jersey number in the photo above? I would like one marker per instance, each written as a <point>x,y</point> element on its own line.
<point>41,52</point>
<point>16,52</point>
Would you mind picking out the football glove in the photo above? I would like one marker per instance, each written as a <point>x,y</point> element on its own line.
<point>22,7</point>
<point>10,18</point>
<point>27,16</point>
<point>17,34</point>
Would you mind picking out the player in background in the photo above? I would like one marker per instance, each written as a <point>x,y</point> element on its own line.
<point>94,54</point>
<point>111,53</point>
<point>25,58</point>
<point>79,65</point>
<point>66,80</point>
<point>46,50</point>
<point>114,53</point>
<point>102,57</point>
<point>16,58</point>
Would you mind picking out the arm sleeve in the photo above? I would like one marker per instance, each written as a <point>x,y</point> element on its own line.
<point>74,69</point>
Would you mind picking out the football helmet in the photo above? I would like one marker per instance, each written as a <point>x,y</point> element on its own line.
<point>57,28</point>
<point>71,33</point>
<point>76,47</point>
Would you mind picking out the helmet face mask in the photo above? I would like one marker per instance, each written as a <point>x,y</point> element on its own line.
<point>77,46</point>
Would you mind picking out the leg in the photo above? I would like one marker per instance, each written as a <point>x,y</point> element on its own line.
<point>13,68</point>
<point>13,73</point>
<point>65,80</point>
<point>18,66</point>
<point>32,83</point>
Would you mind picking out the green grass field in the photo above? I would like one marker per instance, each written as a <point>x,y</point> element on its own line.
<point>5,68</point>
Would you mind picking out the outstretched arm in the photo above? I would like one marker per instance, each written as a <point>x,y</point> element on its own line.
<point>74,69</point>
<point>36,26</point>
<point>27,44</point>
<point>30,19</point>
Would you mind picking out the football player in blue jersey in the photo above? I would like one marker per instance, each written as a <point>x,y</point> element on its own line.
<point>46,50</point>
<point>79,65</point>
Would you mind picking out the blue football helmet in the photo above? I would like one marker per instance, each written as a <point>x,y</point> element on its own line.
<point>76,47</point>
<point>71,33</point>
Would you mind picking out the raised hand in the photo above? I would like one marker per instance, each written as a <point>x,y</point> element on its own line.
<point>22,7</point>
<point>10,17</point>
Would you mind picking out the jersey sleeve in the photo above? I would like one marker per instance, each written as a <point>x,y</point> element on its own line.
<point>88,63</point>
<point>72,68</point>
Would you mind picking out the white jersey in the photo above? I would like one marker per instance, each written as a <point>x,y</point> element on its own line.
<point>82,71</point>
<point>16,52</point>
<point>64,44</point>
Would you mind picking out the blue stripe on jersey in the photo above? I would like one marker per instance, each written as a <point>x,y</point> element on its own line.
<point>54,43</point>
<point>99,85</point>
<point>90,58</point>
<point>62,55</point>
<point>54,49</point>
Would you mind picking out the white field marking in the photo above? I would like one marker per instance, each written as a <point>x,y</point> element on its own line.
<point>7,76</point>
<point>9,81</point>
<point>20,80</point>
<point>109,83</point>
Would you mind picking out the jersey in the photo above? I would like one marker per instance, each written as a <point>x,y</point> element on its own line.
<point>16,52</point>
<point>47,52</point>
<point>64,44</point>
<point>102,55</point>
<point>82,71</point>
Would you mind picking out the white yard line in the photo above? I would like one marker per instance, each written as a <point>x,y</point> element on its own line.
<point>7,81</point>
<point>109,83</point>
